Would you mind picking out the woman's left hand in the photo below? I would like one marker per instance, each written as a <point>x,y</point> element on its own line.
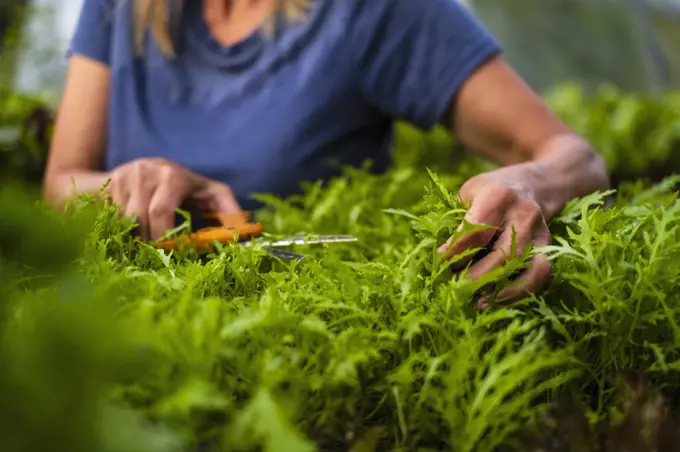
<point>504,203</point>
<point>544,164</point>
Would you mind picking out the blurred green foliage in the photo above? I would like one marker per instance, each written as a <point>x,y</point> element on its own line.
<point>60,345</point>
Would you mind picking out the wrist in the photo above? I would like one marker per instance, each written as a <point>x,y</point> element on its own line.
<point>567,169</point>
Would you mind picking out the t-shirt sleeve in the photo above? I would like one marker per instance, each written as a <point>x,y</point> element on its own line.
<point>414,55</point>
<point>92,37</point>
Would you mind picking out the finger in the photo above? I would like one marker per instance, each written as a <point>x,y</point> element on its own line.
<point>138,205</point>
<point>227,203</point>
<point>217,198</point>
<point>139,182</point>
<point>484,211</point>
<point>501,252</point>
<point>473,240</point>
<point>533,280</point>
<point>120,192</point>
<point>162,207</point>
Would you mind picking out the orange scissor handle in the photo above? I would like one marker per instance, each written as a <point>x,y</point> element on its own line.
<point>234,227</point>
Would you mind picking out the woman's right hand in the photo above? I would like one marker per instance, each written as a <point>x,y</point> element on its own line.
<point>152,189</point>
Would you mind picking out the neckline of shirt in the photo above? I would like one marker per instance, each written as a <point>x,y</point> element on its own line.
<point>198,39</point>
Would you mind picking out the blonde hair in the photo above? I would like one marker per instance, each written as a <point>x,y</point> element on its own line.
<point>152,15</point>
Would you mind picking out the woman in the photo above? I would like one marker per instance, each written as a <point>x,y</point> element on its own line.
<point>210,101</point>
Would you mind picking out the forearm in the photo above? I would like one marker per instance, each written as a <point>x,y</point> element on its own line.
<point>563,169</point>
<point>60,185</point>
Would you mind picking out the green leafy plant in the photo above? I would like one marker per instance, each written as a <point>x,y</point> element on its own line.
<point>368,346</point>
<point>107,343</point>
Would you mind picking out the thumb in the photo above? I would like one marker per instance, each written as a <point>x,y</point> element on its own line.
<point>217,198</point>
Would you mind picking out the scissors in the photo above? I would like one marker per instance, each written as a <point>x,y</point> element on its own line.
<point>236,228</point>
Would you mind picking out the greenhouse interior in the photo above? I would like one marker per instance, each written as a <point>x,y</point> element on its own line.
<point>367,310</point>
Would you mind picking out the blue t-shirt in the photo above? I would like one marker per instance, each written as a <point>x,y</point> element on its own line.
<point>272,111</point>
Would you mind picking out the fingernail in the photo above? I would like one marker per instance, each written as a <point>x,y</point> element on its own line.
<point>445,247</point>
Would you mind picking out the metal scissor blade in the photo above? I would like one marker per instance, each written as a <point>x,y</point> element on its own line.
<point>285,255</point>
<point>311,240</point>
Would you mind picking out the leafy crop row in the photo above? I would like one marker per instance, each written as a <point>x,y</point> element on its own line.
<point>108,344</point>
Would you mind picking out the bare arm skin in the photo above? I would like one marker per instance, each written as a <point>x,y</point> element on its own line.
<point>544,165</point>
<point>77,149</point>
<point>497,115</point>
